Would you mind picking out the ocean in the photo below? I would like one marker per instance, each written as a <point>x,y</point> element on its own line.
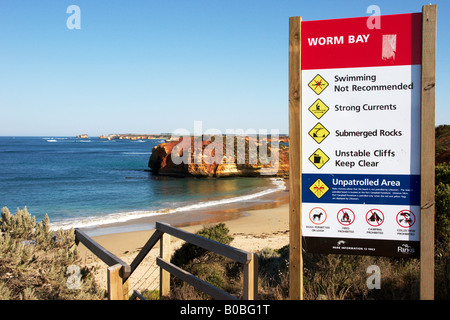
<point>89,183</point>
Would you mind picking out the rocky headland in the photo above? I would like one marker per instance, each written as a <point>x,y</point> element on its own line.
<point>161,162</point>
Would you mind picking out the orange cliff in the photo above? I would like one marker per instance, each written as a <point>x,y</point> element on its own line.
<point>161,163</point>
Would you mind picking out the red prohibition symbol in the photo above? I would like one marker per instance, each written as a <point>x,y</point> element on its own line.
<point>406,219</point>
<point>374,217</point>
<point>346,216</point>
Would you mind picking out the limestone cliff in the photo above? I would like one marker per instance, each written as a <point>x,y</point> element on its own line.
<point>230,165</point>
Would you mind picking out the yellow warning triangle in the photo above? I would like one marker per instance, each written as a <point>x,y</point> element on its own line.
<point>319,158</point>
<point>319,132</point>
<point>318,108</point>
<point>318,84</point>
<point>319,188</point>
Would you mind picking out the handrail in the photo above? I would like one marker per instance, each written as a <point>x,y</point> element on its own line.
<point>119,271</point>
<point>240,256</point>
<point>208,244</point>
<point>196,282</point>
<point>137,296</point>
<point>103,254</point>
<point>145,250</point>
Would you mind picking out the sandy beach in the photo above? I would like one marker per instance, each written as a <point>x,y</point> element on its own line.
<point>253,229</point>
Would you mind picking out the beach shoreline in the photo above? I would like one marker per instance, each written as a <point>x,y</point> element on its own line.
<point>252,226</point>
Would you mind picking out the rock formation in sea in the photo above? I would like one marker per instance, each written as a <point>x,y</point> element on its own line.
<point>263,159</point>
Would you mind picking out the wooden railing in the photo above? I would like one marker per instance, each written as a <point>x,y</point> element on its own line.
<point>119,272</point>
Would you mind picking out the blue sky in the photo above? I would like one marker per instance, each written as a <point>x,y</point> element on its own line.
<point>155,66</point>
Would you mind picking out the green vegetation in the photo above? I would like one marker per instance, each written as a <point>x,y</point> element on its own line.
<point>211,267</point>
<point>442,231</point>
<point>34,261</point>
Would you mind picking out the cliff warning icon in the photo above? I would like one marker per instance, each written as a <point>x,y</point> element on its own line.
<point>318,84</point>
<point>319,188</point>
<point>318,158</point>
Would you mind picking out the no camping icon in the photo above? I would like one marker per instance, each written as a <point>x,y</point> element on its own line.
<point>374,217</point>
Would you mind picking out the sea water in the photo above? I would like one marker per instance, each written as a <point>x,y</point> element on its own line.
<point>93,182</point>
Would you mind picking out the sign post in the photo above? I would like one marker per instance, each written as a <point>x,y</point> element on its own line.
<point>295,150</point>
<point>361,109</point>
<point>428,152</point>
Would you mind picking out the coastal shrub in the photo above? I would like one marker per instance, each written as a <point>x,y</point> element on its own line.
<point>34,261</point>
<point>442,199</point>
<point>273,273</point>
<point>273,263</point>
<point>150,294</point>
<point>208,266</point>
<point>442,231</point>
<point>337,277</point>
<point>187,253</point>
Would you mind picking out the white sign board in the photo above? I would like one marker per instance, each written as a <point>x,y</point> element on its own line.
<point>361,136</point>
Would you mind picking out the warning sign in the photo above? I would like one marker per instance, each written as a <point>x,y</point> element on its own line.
<point>346,216</point>
<point>374,217</point>
<point>318,108</point>
<point>406,219</point>
<point>319,132</point>
<point>360,102</point>
<point>319,158</point>
<point>318,84</point>
<point>319,188</point>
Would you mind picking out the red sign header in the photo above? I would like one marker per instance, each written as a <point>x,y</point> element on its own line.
<point>349,43</point>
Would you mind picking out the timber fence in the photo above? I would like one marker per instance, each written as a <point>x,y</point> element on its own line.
<point>119,272</point>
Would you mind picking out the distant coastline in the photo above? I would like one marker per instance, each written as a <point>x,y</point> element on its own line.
<point>129,136</point>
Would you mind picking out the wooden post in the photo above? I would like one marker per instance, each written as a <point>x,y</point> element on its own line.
<point>249,280</point>
<point>295,151</point>
<point>115,281</point>
<point>255,276</point>
<point>164,276</point>
<point>125,289</point>
<point>427,152</point>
